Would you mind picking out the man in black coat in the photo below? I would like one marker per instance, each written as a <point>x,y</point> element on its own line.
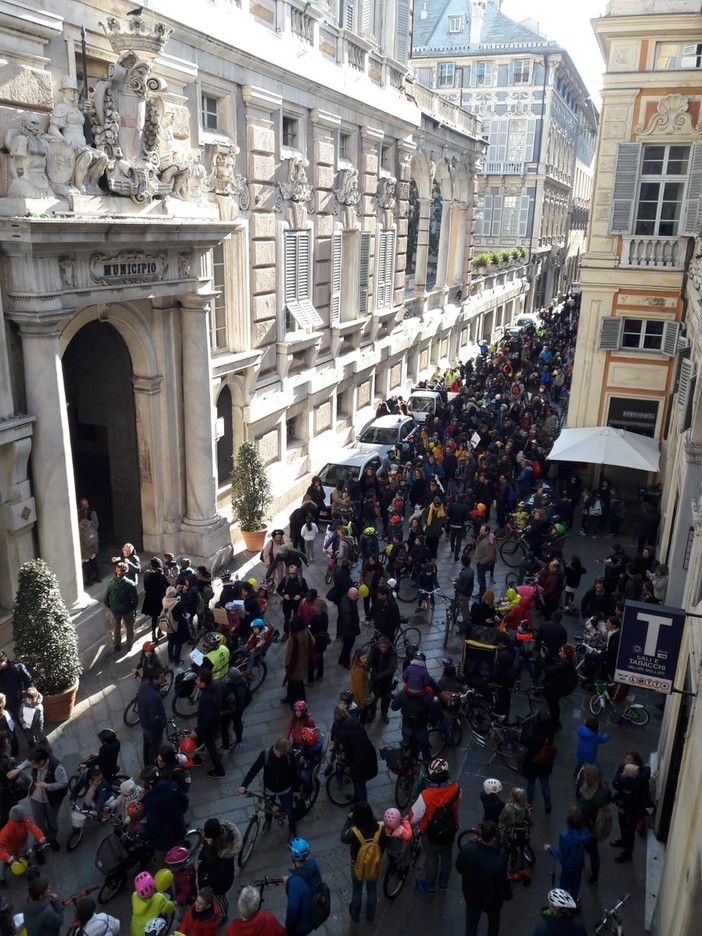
<point>209,714</point>
<point>597,599</point>
<point>382,663</point>
<point>348,625</point>
<point>485,882</point>
<point>152,713</point>
<point>280,777</point>
<point>15,679</point>
<point>384,613</point>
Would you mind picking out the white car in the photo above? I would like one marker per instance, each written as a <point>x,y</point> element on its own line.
<point>386,433</point>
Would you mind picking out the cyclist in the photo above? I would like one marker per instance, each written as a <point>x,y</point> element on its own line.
<point>558,918</point>
<point>280,780</point>
<point>106,758</point>
<point>299,720</point>
<point>94,790</point>
<point>436,813</point>
<point>216,656</point>
<point>258,642</point>
<point>14,835</point>
<point>147,903</point>
<point>148,660</point>
<point>311,744</point>
<point>304,876</point>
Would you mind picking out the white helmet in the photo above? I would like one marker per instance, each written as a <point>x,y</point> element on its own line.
<point>492,785</point>
<point>560,899</point>
<point>127,787</point>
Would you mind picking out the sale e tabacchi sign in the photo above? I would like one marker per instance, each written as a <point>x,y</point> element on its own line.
<point>649,646</point>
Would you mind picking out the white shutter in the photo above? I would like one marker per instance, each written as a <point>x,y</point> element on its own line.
<point>349,14</point>
<point>363,273</point>
<point>524,203</point>
<point>530,136</point>
<point>692,217</point>
<point>290,260</point>
<point>669,345</point>
<point>624,191</point>
<point>610,333</point>
<point>687,375</point>
<point>496,215</point>
<point>486,221</point>
<point>298,279</point>
<point>389,268</point>
<point>402,30</point>
<point>380,264</point>
<point>335,286</point>
<point>367,18</point>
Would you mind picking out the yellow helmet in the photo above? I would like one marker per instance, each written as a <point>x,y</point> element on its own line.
<point>252,582</point>
<point>19,866</point>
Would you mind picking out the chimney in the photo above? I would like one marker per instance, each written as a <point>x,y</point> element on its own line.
<point>424,13</point>
<point>477,14</point>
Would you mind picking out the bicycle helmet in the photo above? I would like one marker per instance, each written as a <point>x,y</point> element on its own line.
<point>560,899</point>
<point>300,706</point>
<point>144,885</point>
<point>392,818</point>
<point>309,736</point>
<point>148,647</point>
<point>252,582</point>
<point>177,855</point>
<point>19,866</point>
<point>187,746</point>
<point>107,735</point>
<point>369,531</point>
<point>299,849</point>
<point>559,528</point>
<point>127,787</point>
<point>492,785</point>
<point>258,623</point>
<point>225,575</point>
<point>438,770</point>
<point>156,927</point>
<point>418,655</point>
<point>210,642</point>
<point>481,507</point>
<point>150,776</point>
<point>135,811</point>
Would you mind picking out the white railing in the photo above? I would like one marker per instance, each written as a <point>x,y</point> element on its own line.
<point>654,253</point>
<point>504,168</point>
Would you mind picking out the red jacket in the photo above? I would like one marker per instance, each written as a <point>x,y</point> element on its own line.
<point>14,835</point>
<point>262,923</point>
<point>196,926</point>
<point>430,800</point>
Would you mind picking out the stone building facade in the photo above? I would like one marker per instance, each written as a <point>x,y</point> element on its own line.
<point>534,187</point>
<point>203,239</point>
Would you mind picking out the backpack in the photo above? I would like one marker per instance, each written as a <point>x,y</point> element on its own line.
<point>442,827</point>
<point>367,864</point>
<point>167,624</point>
<point>320,904</point>
<point>603,823</point>
<point>199,604</point>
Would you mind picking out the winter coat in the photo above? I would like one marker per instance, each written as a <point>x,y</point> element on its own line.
<point>484,877</point>
<point>571,848</point>
<point>164,815</point>
<point>152,713</point>
<point>358,748</point>
<point>541,733</point>
<point>299,888</point>
<point>14,835</point>
<point>551,584</point>
<point>217,871</point>
<point>210,708</point>
<point>202,923</point>
<point>298,651</point>
<point>348,624</point>
<point>631,793</point>
<point>145,910</point>
<point>101,924</point>
<point>385,616</point>
<point>360,683</point>
<point>588,742</point>
<point>44,917</point>
<point>485,552</point>
<point>382,668</point>
<point>155,585</point>
<point>14,679</point>
<point>121,595</point>
<point>589,805</point>
<point>262,923</point>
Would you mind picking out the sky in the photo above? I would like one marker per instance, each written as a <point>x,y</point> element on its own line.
<point>568,22</point>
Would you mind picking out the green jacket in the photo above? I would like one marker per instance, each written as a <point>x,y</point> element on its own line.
<point>121,595</point>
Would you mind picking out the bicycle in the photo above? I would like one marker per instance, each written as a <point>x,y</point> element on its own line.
<point>405,637</point>
<point>402,764</point>
<point>117,857</point>
<point>186,699</point>
<point>470,706</point>
<point>75,927</point>
<point>611,923</point>
<point>266,806</point>
<point>400,863</point>
<point>505,742</point>
<point>131,712</point>
<point>341,789</point>
<point>637,714</point>
<point>175,735</point>
<point>452,615</point>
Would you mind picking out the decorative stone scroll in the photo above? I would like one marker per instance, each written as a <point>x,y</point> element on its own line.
<point>385,200</point>
<point>295,196</point>
<point>348,196</point>
<point>671,118</point>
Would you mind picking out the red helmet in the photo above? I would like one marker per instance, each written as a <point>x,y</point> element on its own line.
<point>187,746</point>
<point>148,647</point>
<point>135,811</point>
<point>309,736</point>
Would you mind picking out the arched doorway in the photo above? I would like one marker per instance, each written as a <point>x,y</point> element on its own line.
<point>97,373</point>
<point>225,441</point>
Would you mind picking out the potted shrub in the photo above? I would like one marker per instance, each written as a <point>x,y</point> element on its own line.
<point>481,262</point>
<point>504,257</point>
<point>45,639</point>
<point>515,254</point>
<point>251,495</point>
<point>523,253</point>
<point>494,258</point>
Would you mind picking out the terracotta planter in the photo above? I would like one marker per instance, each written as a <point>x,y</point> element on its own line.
<point>59,707</point>
<point>254,539</point>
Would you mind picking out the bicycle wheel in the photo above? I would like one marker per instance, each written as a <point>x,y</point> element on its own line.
<point>193,841</point>
<point>112,886</point>
<point>258,675</point>
<point>511,580</point>
<point>403,789</point>
<point>249,840</point>
<point>597,704</point>
<point>74,839</point>
<point>314,793</point>
<point>480,718</point>
<point>186,706</point>
<point>409,636</point>
<point>340,788</point>
<point>510,751</point>
<point>511,553</point>
<point>131,714</point>
<point>329,575</point>
<point>437,742</point>
<point>395,877</point>
<point>406,591</point>
<point>456,733</point>
<point>636,714</point>
<point>528,854</point>
<point>167,683</point>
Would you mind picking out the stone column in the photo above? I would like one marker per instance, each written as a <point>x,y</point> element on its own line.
<point>422,257</point>
<point>205,533</point>
<point>52,463</point>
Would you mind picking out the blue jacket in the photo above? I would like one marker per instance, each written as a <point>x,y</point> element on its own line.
<point>571,848</point>
<point>299,889</point>
<point>588,742</point>
<point>164,814</point>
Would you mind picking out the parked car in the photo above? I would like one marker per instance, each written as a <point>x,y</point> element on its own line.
<point>384,434</point>
<point>341,466</point>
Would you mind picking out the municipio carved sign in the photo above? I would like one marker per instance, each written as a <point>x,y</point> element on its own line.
<point>128,266</point>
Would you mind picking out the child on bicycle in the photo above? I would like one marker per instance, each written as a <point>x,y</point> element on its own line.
<point>148,660</point>
<point>490,798</point>
<point>310,755</point>
<point>184,877</point>
<point>427,583</point>
<point>257,644</point>
<point>94,790</point>
<point>516,810</point>
<point>397,830</point>
<point>106,757</point>
<point>129,793</point>
<point>14,835</point>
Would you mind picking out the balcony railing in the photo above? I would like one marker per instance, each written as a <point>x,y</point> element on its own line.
<point>559,174</point>
<point>504,168</point>
<point>654,253</point>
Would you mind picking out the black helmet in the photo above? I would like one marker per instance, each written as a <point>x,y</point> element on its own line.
<point>150,776</point>
<point>107,735</point>
<point>418,655</point>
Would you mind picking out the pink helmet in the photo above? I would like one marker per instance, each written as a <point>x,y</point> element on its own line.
<point>392,818</point>
<point>299,706</point>
<point>177,855</point>
<point>144,885</point>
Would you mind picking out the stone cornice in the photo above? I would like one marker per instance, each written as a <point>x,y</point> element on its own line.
<point>322,118</point>
<point>262,98</point>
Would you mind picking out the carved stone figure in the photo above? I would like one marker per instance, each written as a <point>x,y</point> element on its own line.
<point>174,171</point>
<point>223,178</point>
<point>348,196</point>
<point>295,195</point>
<point>386,200</point>
<point>71,162</point>
<point>28,154</point>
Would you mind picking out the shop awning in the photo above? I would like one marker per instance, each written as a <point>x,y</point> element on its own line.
<point>603,445</point>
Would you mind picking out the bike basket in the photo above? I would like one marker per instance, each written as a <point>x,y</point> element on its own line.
<point>78,819</point>
<point>110,854</point>
<point>600,687</point>
<point>396,759</point>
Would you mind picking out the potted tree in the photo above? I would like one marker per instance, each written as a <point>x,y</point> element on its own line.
<point>45,639</point>
<point>494,258</point>
<point>504,257</point>
<point>515,255</point>
<point>251,495</point>
<point>481,263</point>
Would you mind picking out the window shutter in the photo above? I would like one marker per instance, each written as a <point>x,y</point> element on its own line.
<point>496,215</point>
<point>610,333</point>
<point>349,11</point>
<point>524,203</point>
<point>669,345</point>
<point>290,249</point>
<point>335,295</point>
<point>626,179</point>
<point>380,264</point>
<point>402,30</point>
<point>486,221</point>
<point>367,24</point>
<point>425,77</point>
<point>363,273</point>
<point>692,217</point>
<point>389,237</point>
<point>685,384</point>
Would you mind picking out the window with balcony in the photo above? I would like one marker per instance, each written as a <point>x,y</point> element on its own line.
<point>511,145</point>
<point>445,75</point>
<point>515,215</point>
<point>657,191</point>
<point>632,334</point>
<point>675,56</point>
<point>300,314</point>
<point>209,112</point>
<point>521,71</point>
<point>455,25</point>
